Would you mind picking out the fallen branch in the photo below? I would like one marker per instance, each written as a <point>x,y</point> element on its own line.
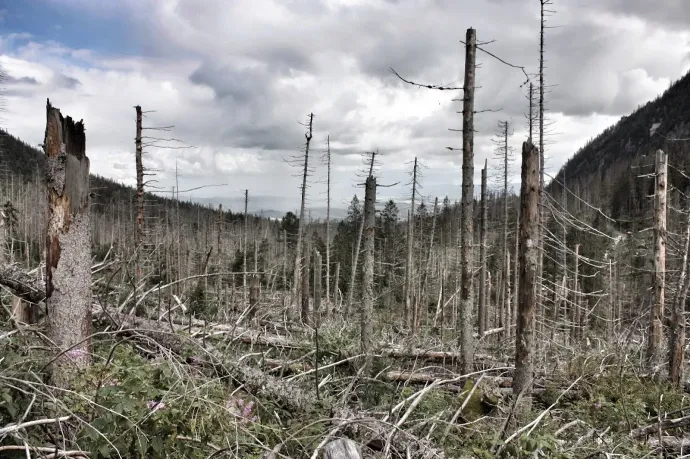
<point>51,450</point>
<point>10,428</point>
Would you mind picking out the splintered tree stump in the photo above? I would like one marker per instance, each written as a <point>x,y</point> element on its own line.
<point>68,245</point>
<point>341,449</point>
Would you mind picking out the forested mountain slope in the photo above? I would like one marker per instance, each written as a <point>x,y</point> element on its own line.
<point>606,170</point>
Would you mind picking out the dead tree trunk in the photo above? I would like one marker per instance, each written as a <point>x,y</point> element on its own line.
<point>140,192</point>
<point>68,254</point>
<point>328,224</point>
<point>368,267</point>
<point>358,245</point>
<point>304,315</point>
<point>575,324</point>
<point>466,227</point>
<point>336,282</point>
<point>245,268</point>
<point>654,358</point>
<point>300,228</point>
<point>407,286</point>
<point>677,332</point>
<point>516,273</point>
<point>428,267</point>
<point>507,324</point>
<point>317,287</point>
<point>542,220</point>
<point>505,305</point>
<point>529,259</point>
<point>482,312</point>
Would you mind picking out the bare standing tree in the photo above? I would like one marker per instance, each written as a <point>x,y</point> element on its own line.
<point>677,332</point>
<point>482,313</point>
<point>68,254</point>
<point>370,161</point>
<point>369,220</point>
<point>466,214</point>
<point>328,224</point>
<point>409,268</point>
<point>656,332</point>
<point>528,262</point>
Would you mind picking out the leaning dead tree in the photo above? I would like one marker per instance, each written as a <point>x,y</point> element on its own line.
<point>68,251</point>
<point>654,358</point>
<point>466,213</point>
<point>300,228</point>
<point>528,265</point>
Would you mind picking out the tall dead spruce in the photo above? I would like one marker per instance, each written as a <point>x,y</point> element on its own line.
<point>466,214</point>
<point>68,253</point>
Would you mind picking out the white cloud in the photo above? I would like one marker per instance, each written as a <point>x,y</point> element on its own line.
<point>235,78</point>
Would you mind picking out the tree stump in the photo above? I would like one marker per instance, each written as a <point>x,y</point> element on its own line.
<point>341,449</point>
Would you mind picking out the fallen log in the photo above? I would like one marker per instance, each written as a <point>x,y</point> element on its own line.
<point>665,424</point>
<point>291,395</point>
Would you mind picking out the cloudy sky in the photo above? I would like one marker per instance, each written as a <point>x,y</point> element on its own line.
<point>237,77</point>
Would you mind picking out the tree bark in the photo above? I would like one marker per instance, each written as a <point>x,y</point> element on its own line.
<point>654,358</point>
<point>68,254</point>
<point>529,259</point>
<point>466,227</point>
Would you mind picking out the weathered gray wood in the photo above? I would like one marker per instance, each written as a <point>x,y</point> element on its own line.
<point>68,253</point>
<point>342,448</point>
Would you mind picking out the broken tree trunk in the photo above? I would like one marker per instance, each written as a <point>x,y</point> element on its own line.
<point>341,449</point>
<point>466,214</point>
<point>654,358</point>
<point>68,254</point>
<point>677,332</point>
<point>528,265</point>
<point>369,224</point>
<point>482,313</point>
